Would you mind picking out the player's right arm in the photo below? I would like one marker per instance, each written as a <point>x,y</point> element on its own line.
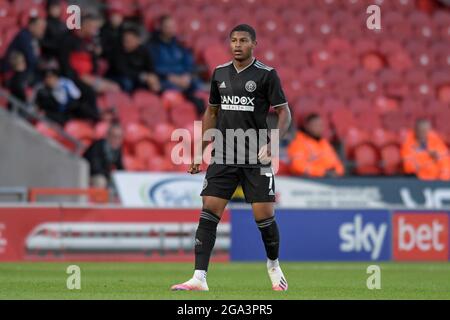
<point>209,120</point>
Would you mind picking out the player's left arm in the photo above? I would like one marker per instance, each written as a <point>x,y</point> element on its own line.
<point>283,124</point>
<point>279,102</point>
<point>284,119</point>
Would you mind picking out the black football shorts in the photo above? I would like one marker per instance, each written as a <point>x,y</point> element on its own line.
<point>257,183</point>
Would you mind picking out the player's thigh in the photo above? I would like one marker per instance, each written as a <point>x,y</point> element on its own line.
<point>220,181</point>
<point>214,204</point>
<point>258,184</point>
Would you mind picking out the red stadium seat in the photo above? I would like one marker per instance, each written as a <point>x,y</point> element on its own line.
<point>158,163</point>
<point>128,115</point>
<point>144,150</point>
<point>162,133</point>
<point>81,130</point>
<point>183,114</point>
<point>444,93</point>
<point>152,115</point>
<point>399,60</point>
<point>144,98</point>
<point>353,138</point>
<point>171,98</point>
<point>366,160</point>
<point>116,100</point>
<point>360,105</point>
<point>322,58</point>
<point>372,62</point>
<point>101,129</point>
<point>133,164</point>
<point>215,55</point>
<point>368,119</point>
<point>342,119</point>
<point>381,138</point>
<point>297,28</point>
<point>136,132</point>
<point>391,159</point>
<point>386,104</point>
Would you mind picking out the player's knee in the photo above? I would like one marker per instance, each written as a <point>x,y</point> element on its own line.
<point>208,220</point>
<point>212,209</point>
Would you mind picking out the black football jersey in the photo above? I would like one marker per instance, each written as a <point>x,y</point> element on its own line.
<point>243,98</point>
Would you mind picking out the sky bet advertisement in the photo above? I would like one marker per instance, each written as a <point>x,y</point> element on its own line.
<point>316,235</point>
<point>346,235</point>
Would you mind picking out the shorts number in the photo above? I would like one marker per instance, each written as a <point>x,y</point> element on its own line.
<point>270,175</point>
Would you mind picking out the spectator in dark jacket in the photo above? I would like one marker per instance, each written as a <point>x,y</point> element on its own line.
<point>104,156</point>
<point>60,99</point>
<point>27,43</point>
<point>131,64</point>
<point>55,30</point>
<point>79,53</point>
<point>111,31</point>
<point>174,63</point>
<point>17,80</point>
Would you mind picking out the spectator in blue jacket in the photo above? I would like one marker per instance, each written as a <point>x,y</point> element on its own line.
<point>27,43</point>
<point>174,63</point>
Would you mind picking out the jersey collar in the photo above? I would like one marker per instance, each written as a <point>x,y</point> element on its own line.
<point>250,64</point>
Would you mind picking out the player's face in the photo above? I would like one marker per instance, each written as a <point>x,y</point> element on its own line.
<point>241,45</point>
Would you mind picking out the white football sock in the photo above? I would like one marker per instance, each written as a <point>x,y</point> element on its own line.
<point>200,275</point>
<point>272,263</point>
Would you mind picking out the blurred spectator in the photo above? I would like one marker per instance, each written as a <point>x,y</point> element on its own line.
<point>55,29</point>
<point>27,43</point>
<point>424,153</point>
<point>17,80</point>
<point>131,64</point>
<point>312,155</point>
<point>60,99</point>
<point>174,64</point>
<point>111,31</point>
<point>79,53</point>
<point>104,156</point>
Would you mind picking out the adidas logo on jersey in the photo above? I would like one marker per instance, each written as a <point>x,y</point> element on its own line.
<point>223,85</point>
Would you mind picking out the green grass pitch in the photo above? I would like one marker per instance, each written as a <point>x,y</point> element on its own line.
<point>230,281</point>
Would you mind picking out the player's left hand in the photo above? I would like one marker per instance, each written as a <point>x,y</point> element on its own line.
<point>264,154</point>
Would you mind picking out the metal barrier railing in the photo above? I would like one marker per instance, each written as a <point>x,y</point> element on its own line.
<point>96,195</point>
<point>20,192</point>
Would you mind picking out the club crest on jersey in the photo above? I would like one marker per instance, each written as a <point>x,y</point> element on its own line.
<point>250,86</point>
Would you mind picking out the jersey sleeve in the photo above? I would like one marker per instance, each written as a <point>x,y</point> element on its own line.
<point>214,94</point>
<point>275,91</point>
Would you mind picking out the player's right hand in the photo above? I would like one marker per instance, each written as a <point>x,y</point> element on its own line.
<point>194,168</point>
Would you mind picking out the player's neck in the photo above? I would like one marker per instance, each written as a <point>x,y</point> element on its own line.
<point>239,65</point>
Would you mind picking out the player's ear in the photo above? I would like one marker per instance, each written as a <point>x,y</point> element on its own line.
<point>255,43</point>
